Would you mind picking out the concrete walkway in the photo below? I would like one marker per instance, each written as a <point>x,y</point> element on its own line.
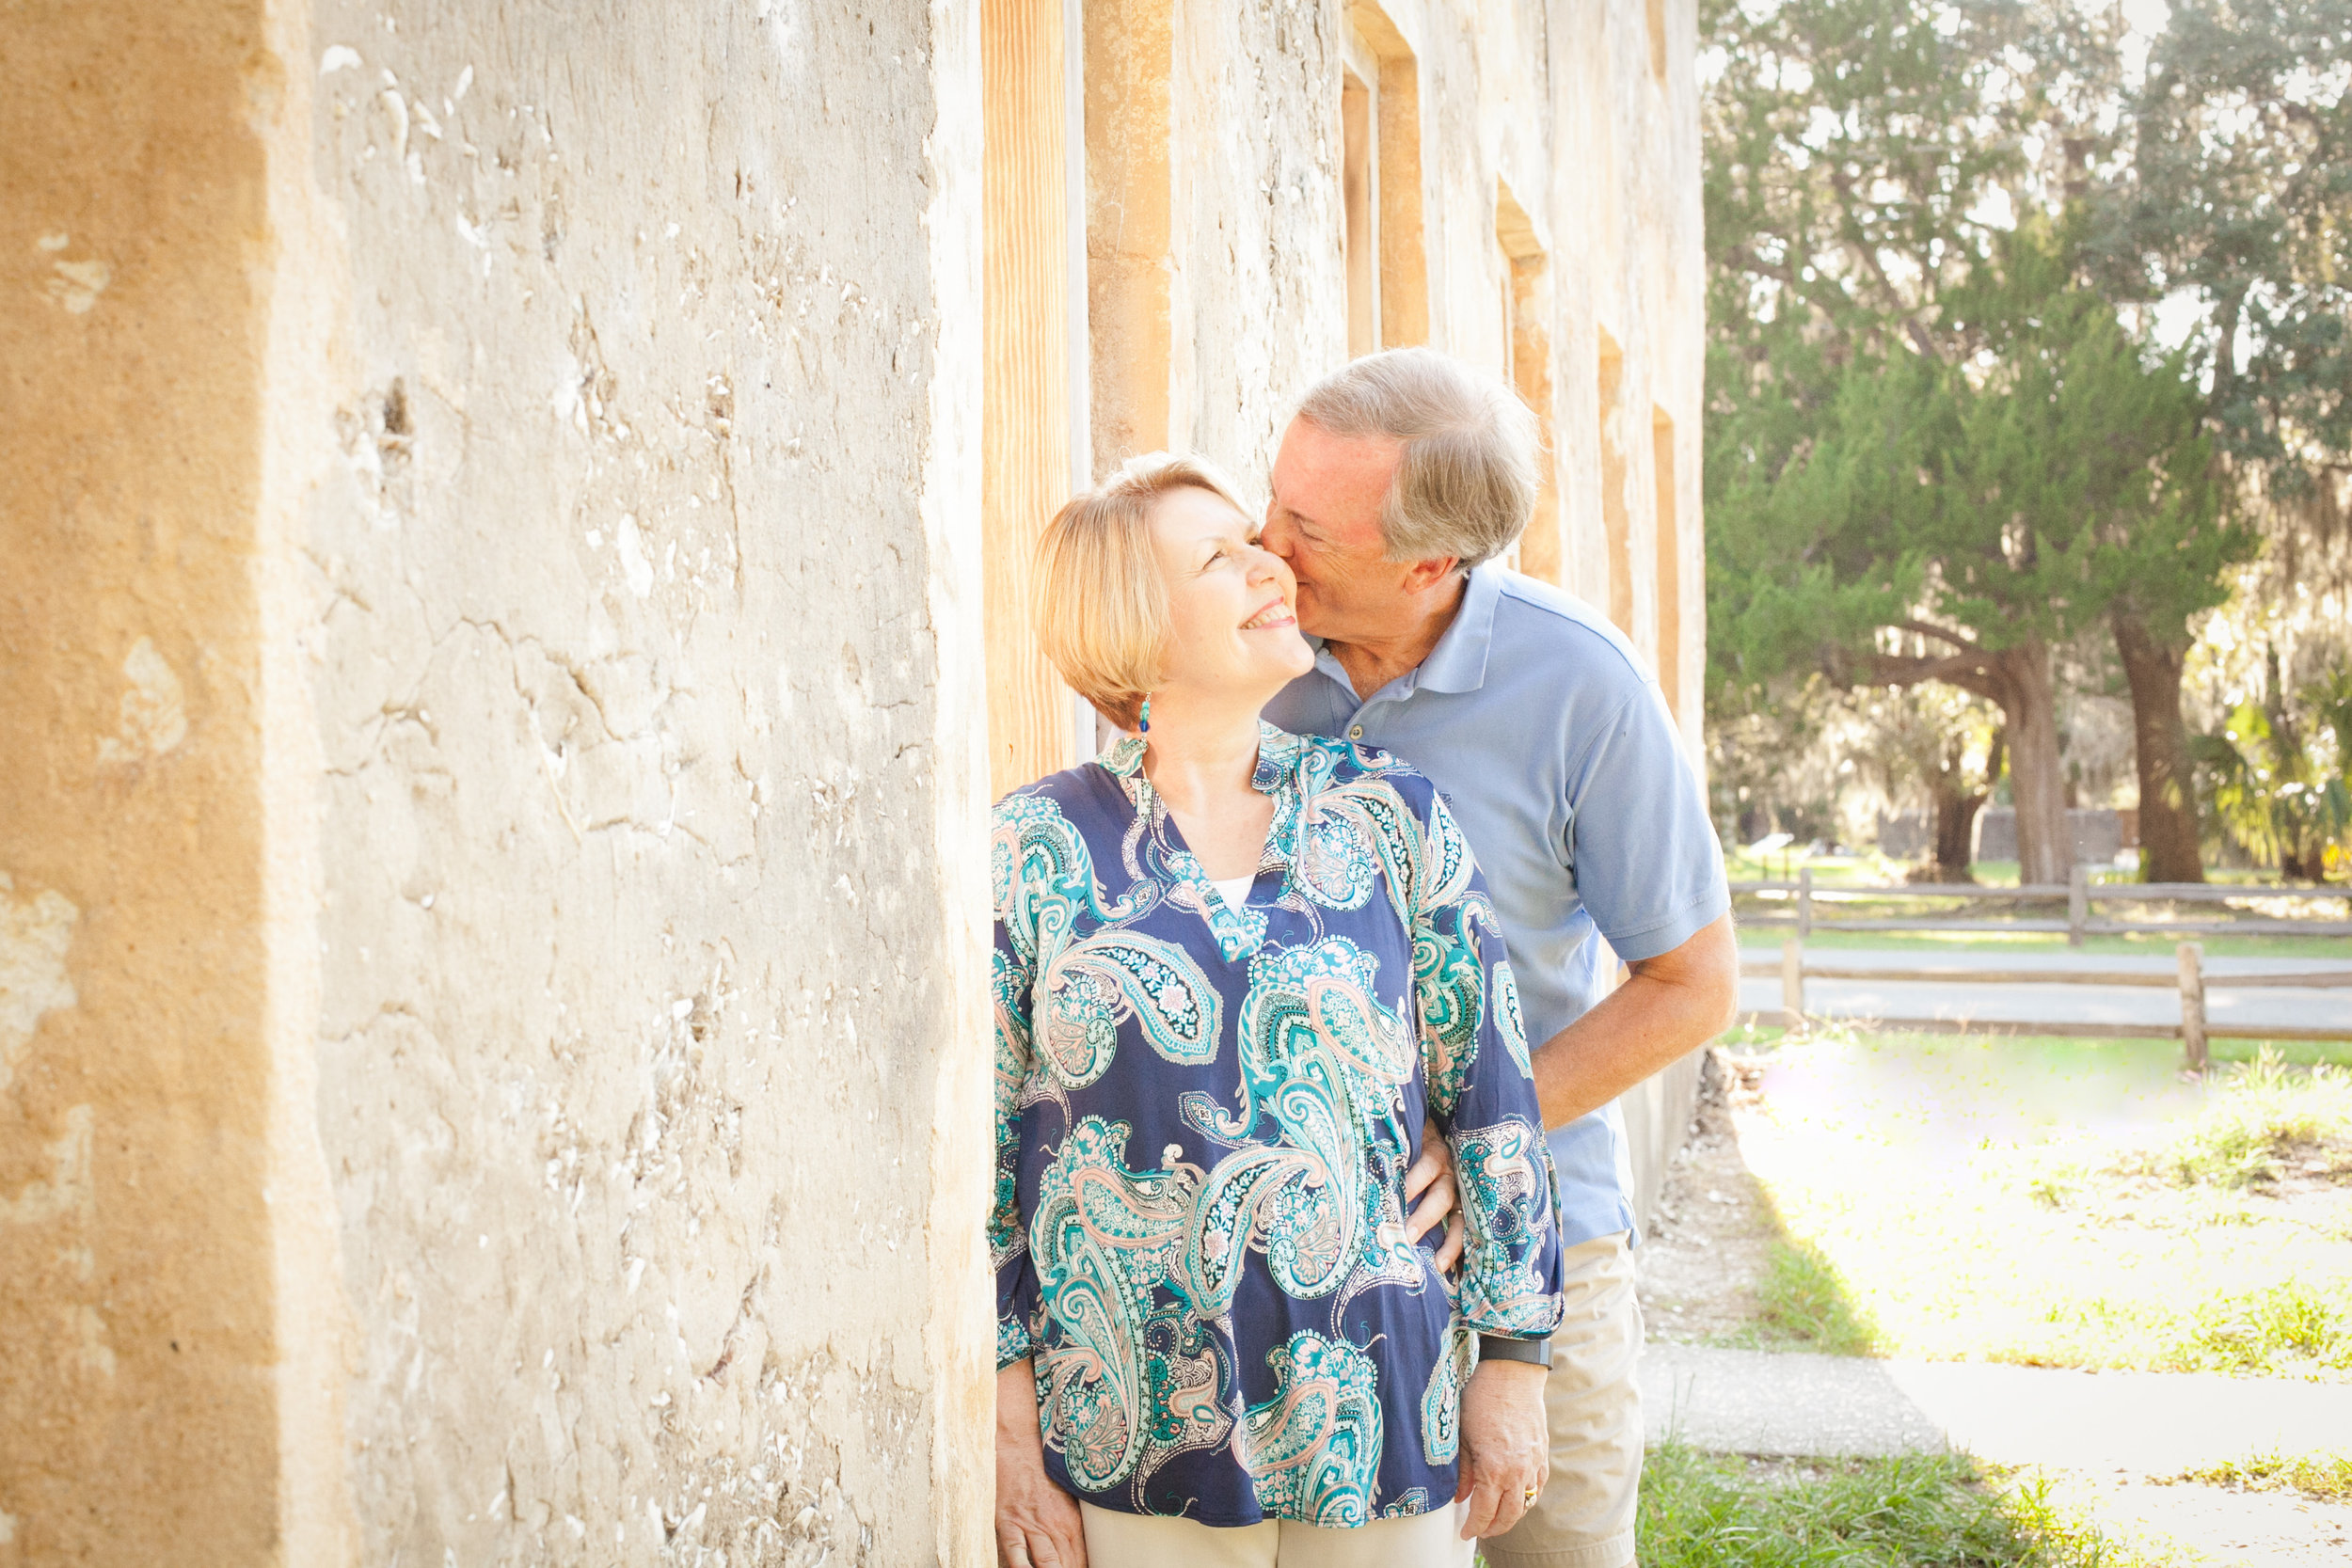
<point>2155,1423</point>
<point>1960,1000</point>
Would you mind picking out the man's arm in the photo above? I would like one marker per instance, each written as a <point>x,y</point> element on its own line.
<point>1673,1004</point>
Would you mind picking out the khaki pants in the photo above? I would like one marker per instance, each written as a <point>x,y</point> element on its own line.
<point>1432,1540</point>
<point>1584,1519</point>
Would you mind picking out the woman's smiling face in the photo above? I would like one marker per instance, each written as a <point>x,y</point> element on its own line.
<point>1231,603</point>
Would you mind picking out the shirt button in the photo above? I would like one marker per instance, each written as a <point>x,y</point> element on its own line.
<point>1357,733</point>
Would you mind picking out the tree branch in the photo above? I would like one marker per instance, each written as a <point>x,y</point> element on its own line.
<point>1973,671</point>
<point>1942,634</point>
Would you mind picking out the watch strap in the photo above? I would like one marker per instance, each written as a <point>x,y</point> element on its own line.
<point>1494,1347</point>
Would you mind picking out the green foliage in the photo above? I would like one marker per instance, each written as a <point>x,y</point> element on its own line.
<point>2327,1477</point>
<point>1927,438</point>
<point>1802,1299</point>
<point>2233,194</point>
<point>2277,780</point>
<point>2259,1332</point>
<point>2262,1114</point>
<point>1926,1511</point>
<point>1972,503</point>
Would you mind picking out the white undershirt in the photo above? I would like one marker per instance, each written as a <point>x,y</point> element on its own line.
<point>1234,890</point>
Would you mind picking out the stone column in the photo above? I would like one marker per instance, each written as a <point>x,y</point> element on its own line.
<point>138,1411</point>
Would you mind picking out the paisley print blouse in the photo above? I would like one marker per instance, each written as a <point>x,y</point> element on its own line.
<point>1203,1117</point>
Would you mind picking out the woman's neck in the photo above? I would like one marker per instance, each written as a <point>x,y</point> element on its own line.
<point>1200,752</point>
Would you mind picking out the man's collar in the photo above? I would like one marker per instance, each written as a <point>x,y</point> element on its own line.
<point>1458,663</point>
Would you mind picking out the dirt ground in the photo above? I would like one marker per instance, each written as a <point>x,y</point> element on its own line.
<point>1703,1255</point>
<point>1699,1262</point>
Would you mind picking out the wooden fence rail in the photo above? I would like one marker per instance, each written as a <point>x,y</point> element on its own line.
<point>2189,978</point>
<point>2079,893</point>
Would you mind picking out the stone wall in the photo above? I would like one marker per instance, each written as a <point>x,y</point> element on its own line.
<point>494,809</point>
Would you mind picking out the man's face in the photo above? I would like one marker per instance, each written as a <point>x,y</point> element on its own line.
<point>1324,520</point>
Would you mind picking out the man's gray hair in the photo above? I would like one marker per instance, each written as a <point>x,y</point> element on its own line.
<point>1466,479</point>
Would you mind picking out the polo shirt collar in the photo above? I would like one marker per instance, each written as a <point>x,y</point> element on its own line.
<point>1458,663</point>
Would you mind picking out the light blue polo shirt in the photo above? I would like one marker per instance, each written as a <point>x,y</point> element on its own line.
<point>1555,751</point>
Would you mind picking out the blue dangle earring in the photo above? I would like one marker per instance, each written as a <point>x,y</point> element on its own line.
<point>1143,722</point>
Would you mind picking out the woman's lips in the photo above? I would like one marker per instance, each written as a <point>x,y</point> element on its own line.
<point>1276,614</point>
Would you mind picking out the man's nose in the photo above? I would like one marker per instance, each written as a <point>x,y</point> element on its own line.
<point>1277,535</point>
<point>1267,565</point>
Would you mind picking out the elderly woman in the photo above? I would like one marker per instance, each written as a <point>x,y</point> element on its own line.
<point>1236,970</point>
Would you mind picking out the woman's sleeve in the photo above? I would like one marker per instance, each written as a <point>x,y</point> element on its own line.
<point>1482,1092</point>
<point>1012,969</point>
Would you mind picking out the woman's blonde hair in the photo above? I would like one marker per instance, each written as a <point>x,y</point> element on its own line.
<point>1096,594</point>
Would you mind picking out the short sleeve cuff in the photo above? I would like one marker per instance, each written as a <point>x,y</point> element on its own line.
<point>1664,935</point>
<point>1012,1342</point>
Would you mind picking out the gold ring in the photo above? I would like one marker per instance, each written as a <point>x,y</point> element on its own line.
<point>1531,1493</point>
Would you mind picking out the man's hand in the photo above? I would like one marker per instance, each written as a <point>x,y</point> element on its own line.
<point>1429,1187</point>
<point>1037,1522</point>
<point>1506,1445</point>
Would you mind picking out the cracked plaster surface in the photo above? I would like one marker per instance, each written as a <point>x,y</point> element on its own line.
<point>624,673</point>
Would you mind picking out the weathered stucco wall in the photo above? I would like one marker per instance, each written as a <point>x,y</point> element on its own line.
<point>641,709</point>
<point>489,954</point>
<point>137,1347</point>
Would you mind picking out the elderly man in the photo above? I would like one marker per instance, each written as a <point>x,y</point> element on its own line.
<point>1401,478</point>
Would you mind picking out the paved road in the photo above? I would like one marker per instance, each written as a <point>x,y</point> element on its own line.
<point>2158,1423</point>
<point>1960,1000</point>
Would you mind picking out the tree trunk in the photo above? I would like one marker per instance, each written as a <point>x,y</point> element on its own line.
<point>1956,807</point>
<point>2167,798</point>
<point>2046,851</point>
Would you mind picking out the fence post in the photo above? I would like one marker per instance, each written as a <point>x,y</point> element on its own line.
<point>1805,902</point>
<point>2192,955</point>
<point>1792,982</point>
<point>2077,903</point>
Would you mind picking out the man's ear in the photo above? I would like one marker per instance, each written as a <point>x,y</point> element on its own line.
<point>1421,575</point>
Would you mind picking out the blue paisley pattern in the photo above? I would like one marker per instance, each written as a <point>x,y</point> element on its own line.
<point>1204,1114</point>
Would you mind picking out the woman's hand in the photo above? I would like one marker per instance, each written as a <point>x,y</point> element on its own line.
<point>1429,1187</point>
<point>1506,1445</point>
<point>1037,1522</point>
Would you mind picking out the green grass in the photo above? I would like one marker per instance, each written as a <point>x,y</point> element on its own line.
<point>2266,1116</point>
<point>1804,1301</point>
<point>1699,1510</point>
<point>2326,1477</point>
<point>2057,1203</point>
